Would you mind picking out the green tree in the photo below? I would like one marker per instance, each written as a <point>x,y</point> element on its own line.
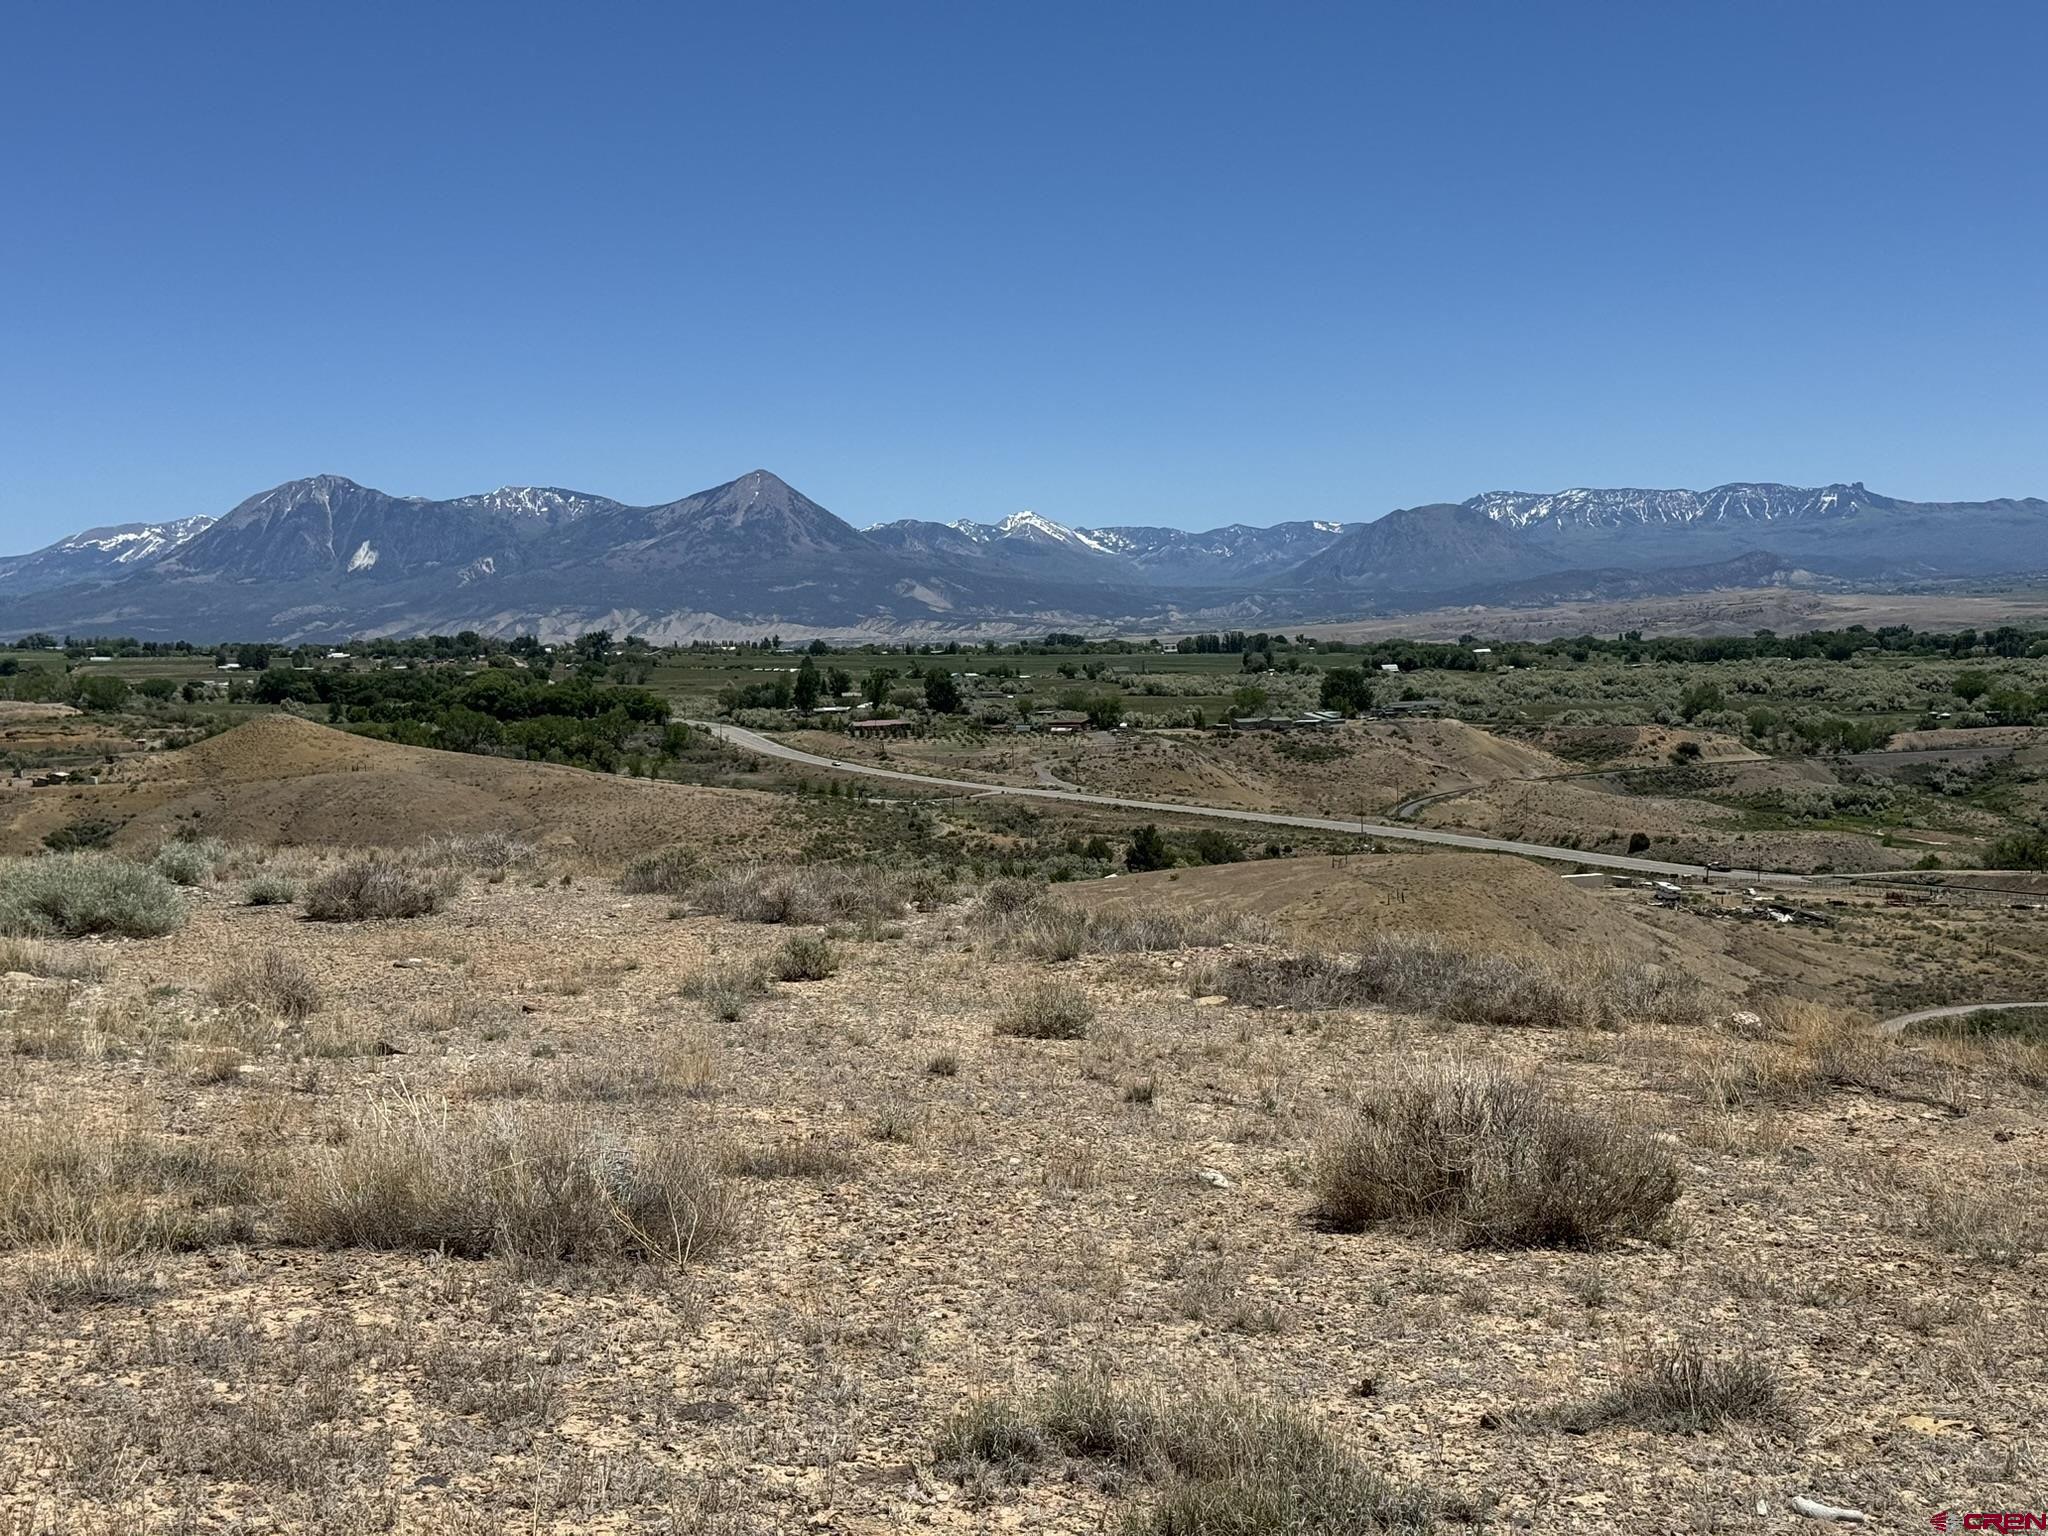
<point>1248,700</point>
<point>875,686</point>
<point>1972,685</point>
<point>99,692</point>
<point>805,692</point>
<point>1701,698</point>
<point>838,682</point>
<point>1347,689</point>
<point>1105,710</point>
<point>1147,850</point>
<point>941,693</point>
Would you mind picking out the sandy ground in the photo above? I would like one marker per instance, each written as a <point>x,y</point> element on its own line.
<point>1024,1222</point>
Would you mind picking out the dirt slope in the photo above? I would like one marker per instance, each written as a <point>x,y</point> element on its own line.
<point>287,781</point>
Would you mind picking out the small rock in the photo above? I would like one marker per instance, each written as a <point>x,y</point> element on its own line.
<point>1211,1176</point>
<point>410,963</point>
<point>1213,1000</point>
<point>2001,1135</point>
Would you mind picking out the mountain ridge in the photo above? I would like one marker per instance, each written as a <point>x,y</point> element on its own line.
<point>324,556</point>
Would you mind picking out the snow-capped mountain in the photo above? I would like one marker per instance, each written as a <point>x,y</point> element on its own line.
<point>325,557</point>
<point>96,554</point>
<point>1029,525</point>
<point>1741,503</point>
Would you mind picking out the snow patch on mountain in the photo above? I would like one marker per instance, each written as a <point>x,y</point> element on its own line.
<point>1747,502</point>
<point>130,542</point>
<point>364,557</point>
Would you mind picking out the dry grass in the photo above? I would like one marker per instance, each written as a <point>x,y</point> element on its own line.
<point>116,1192</point>
<point>814,894</point>
<point>669,871</point>
<point>1024,917</point>
<point>1502,1161</point>
<point>372,887</point>
<point>1682,1387</point>
<point>189,861</point>
<point>793,1157</point>
<point>1216,1463</point>
<point>1047,1010</point>
<point>537,1186</point>
<point>1423,975</point>
<point>1797,1051</point>
<point>51,961</point>
<point>270,889</point>
<point>267,982</point>
<point>725,990</point>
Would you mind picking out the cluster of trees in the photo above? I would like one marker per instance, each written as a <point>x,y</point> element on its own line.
<point>496,711</point>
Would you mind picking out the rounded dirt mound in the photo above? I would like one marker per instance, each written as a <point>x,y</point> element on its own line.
<point>279,780</point>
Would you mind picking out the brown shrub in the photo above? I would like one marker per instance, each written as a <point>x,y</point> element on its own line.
<point>373,887</point>
<point>412,1177</point>
<point>1047,1010</point>
<point>1502,1161</point>
<point>1683,1387</point>
<point>268,982</point>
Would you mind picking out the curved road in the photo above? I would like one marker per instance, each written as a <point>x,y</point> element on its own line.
<point>1899,1025</point>
<point>754,741</point>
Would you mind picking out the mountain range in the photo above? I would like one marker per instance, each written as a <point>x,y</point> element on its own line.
<point>324,558</point>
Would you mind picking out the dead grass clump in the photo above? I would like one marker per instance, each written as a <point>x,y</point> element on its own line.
<point>372,887</point>
<point>1047,1010</point>
<point>74,1276</point>
<point>1024,916</point>
<point>1425,975</point>
<point>725,990</point>
<point>668,871</point>
<point>805,957</point>
<point>807,894</point>
<point>1996,1225</point>
<point>1503,1161</point>
<point>548,1187</point>
<point>71,895</point>
<point>1803,1050</point>
<point>497,1080</point>
<point>268,982</point>
<point>63,1184</point>
<point>1682,1387</point>
<point>51,962</point>
<point>681,1068</point>
<point>793,1157</point>
<point>271,890</point>
<point>1218,1462</point>
<point>492,855</point>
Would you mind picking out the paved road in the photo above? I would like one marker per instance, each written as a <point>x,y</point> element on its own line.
<point>1899,1025</point>
<point>754,741</point>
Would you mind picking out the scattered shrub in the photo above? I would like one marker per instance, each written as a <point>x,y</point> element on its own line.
<point>537,1187</point>
<point>670,871</point>
<point>69,895</point>
<point>79,836</point>
<point>805,957</point>
<point>1503,1161</point>
<point>372,887</point>
<point>1024,915</point>
<point>189,861</point>
<point>944,1064</point>
<point>271,890</point>
<point>269,982</point>
<point>1047,1010</point>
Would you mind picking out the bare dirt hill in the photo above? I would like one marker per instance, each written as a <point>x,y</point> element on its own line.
<point>1478,901</point>
<point>288,781</point>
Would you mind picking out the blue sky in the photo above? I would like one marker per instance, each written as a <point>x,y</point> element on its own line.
<point>1184,264</point>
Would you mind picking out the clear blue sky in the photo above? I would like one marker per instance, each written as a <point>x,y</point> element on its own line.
<point>1180,263</point>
